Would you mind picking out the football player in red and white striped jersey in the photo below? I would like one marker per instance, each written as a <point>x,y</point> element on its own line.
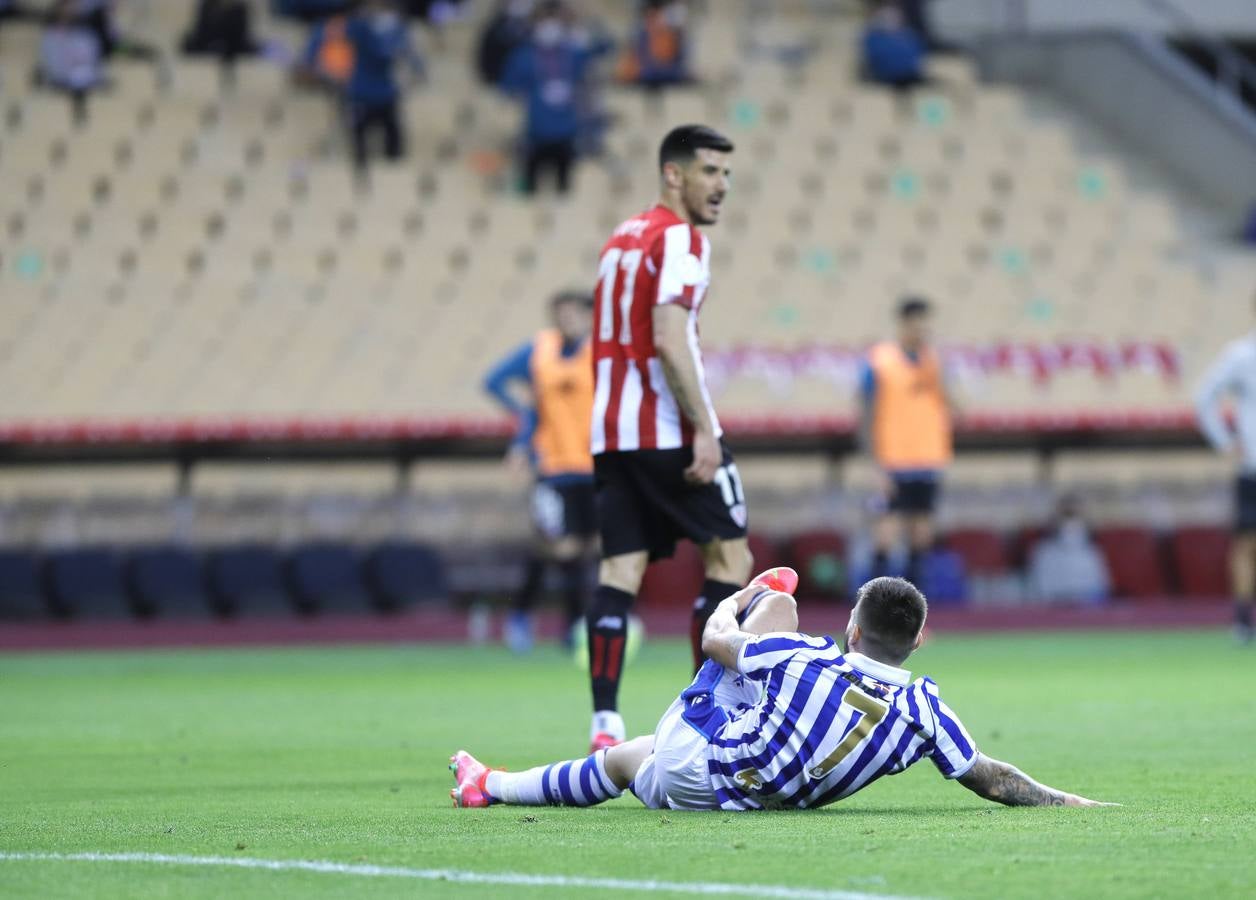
<point>662,472</point>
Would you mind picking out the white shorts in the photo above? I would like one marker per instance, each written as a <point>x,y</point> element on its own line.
<point>675,775</point>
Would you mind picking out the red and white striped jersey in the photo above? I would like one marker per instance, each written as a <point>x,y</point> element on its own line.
<point>651,259</point>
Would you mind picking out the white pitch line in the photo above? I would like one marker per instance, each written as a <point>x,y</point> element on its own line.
<point>458,876</point>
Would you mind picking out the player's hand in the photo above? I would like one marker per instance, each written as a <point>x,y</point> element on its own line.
<point>707,456</point>
<point>1074,800</point>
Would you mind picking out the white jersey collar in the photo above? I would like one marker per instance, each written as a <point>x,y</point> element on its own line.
<point>879,670</point>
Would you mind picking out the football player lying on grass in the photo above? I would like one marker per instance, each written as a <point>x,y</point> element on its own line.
<point>776,719</point>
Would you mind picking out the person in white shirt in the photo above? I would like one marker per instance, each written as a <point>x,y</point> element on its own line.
<point>70,56</point>
<point>1066,565</point>
<point>1233,378</point>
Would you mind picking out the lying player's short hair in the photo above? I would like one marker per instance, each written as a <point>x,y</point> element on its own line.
<point>683,143</point>
<point>890,612</point>
<point>911,307</point>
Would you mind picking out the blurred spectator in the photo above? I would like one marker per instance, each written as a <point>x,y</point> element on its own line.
<point>1066,564</point>
<point>12,9</point>
<point>71,58</point>
<point>310,10</point>
<point>659,55</point>
<point>221,28</point>
<point>893,53</point>
<point>102,17</point>
<point>436,13</point>
<point>380,40</point>
<point>916,15</point>
<point>507,30</point>
<point>328,57</point>
<point>550,73</point>
<point>98,15</point>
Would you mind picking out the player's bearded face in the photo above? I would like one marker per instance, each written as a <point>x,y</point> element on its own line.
<point>705,182</point>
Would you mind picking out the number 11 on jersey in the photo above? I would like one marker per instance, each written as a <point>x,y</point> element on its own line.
<point>612,262</point>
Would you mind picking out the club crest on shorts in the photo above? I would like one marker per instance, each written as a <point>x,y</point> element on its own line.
<point>749,779</point>
<point>738,512</point>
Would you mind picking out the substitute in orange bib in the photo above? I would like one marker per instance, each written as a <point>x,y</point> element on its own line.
<point>548,385</point>
<point>908,406</point>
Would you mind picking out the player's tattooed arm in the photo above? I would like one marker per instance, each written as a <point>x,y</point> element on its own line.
<point>722,639</point>
<point>1004,783</point>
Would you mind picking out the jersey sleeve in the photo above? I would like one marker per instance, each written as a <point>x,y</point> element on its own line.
<point>759,657</point>
<point>677,255</point>
<point>867,381</point>
<point>515,367</point>
<point>954,751</point>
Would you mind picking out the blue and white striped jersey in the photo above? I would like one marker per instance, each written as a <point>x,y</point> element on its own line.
<point>827,725</point>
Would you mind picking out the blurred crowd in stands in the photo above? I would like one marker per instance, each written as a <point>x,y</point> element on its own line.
<point>360,52</point>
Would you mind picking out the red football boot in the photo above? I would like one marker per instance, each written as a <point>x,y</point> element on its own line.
<point>602,741</point>
<point>469,773</point>
<point>782,578</point>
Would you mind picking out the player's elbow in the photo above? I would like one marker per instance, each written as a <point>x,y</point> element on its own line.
<point>713,643</point>
<point>709,640</point>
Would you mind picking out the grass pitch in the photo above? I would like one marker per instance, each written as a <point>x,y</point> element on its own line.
<point>339,755</point>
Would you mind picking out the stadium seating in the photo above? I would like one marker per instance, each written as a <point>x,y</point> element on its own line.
<point>676,581</point>
<point>87,583</point>
<point>400,574</point>
<point>763,551</point>
<point>247,581</point>
<point>190,252</point>
<point>167,582</point>
<point>1134,561</point>
<point>21,597</point>
<point>983,552</point>
<point>325,577</point>
<point>1200,558</point>
<point>819,557</point>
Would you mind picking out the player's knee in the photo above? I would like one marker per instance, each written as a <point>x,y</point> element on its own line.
<point>728,561</point>
<point>775,612</point>
<point>623,572</point>
<point>781,604</point>
<point>623,760</point>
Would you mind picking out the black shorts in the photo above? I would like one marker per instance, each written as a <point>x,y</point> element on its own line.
<point>564,509</point>
<point>645,503</point>
<point>914,494</point>
<point>1245,504</point>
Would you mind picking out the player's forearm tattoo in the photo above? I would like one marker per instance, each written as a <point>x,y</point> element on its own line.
<point>1006,784</point>
<point>1013,787</point>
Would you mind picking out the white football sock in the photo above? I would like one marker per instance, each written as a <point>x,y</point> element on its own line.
<point>577,782</point>
<point>607,721</point>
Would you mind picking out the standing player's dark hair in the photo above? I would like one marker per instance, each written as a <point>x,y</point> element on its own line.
<point>580,298</point>
<point>683,143</point>
<point>890,612</point>
<point>911,307</point>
